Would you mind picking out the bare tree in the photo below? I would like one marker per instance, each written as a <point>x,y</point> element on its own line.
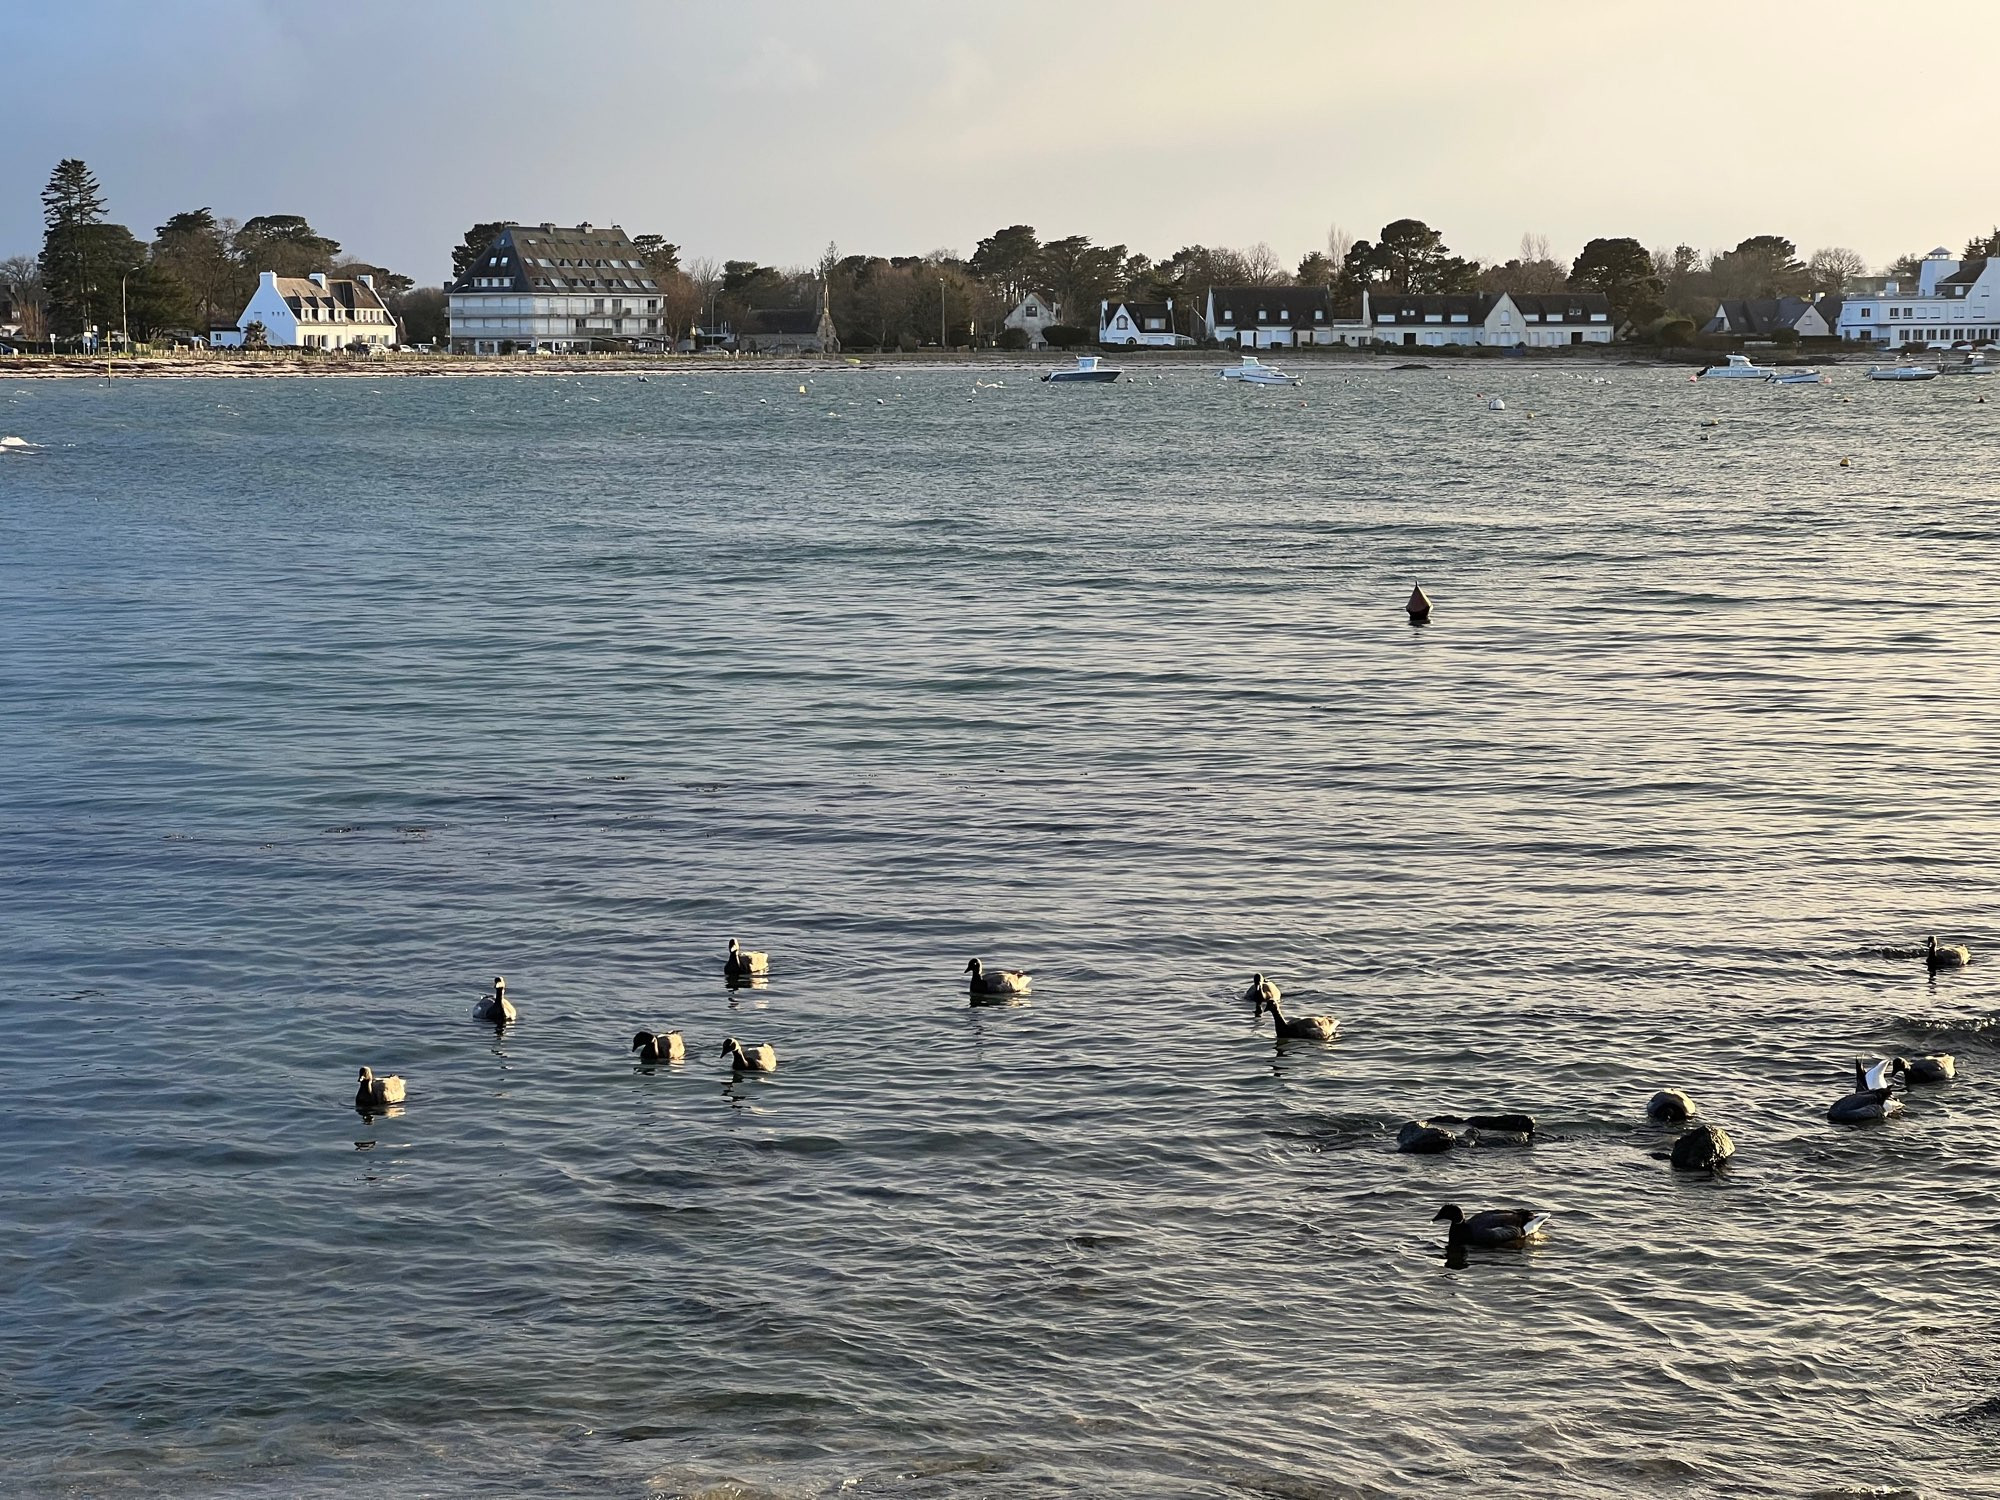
<point>1262,266</point>
<point>1534,247</point>
<point>1338,243</point>
<point>705,276</point>
<point>21,280</point>
<point>1830,268</point>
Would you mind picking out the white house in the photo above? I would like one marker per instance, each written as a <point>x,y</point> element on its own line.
<point>1150,323</point>
<point>1953,302</point>
<point>1031,315</point>
<point>1760,317</point>
<point>1502,320</point>
<point>538,287</point>
<point>311,312</point>
<point>1275,317</point>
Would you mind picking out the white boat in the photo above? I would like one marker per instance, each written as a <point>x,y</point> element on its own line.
<point>1903,372</point>
<point>1089,369</point>
<point>1256,372</point>
<point>1976,365</point>
<point>1797,377</point>
<point>1738,368</point>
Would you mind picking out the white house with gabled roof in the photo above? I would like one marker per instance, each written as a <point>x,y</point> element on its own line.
<point>1952,302</point>
<point>313,312</point>
<point>1031,315</point>
<point>1141,323</point>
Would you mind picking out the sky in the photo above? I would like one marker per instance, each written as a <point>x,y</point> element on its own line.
<point>767,129</point>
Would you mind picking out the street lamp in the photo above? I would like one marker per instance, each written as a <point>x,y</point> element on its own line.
<point>124,315</point>
<point>941,343</point>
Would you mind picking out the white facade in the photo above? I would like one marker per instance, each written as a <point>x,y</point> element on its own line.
<point>1147,324</point>
<point>1032,314</point>
<point>1278,317</point>
<point>542,287</point>
<point>1952,303</point>
<point>1503,320</point>
<point>311,312</point>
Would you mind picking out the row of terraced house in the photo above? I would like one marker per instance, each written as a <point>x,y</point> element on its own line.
<point>1286,317</point>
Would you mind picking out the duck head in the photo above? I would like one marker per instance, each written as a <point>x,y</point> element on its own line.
<point>639,1039</point>
<point>1451,1213</point>
<point>367,1075</point>
<point>731,1047</point>
<point>499,986</point>
<point>974,968</point>
<point>734,948</point>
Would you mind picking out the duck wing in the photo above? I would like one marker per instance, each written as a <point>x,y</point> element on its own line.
<point>1502,1224</point>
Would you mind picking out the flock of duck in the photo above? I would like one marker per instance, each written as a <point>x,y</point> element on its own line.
<point>1701,1146</point>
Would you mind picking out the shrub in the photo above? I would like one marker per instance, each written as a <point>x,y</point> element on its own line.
<point>1064,336</point>
<point>1012,338</point>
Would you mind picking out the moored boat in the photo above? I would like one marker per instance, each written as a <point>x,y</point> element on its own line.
<point>1738,368</point>
<point>1089,369</point>
<point>1255,372</point>
<point>1797,377</point>
<point>1903,372</point>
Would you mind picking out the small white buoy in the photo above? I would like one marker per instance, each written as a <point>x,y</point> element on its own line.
<point>1419,605</point>
<point>1496,404</point>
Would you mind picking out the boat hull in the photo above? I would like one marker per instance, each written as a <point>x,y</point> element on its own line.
<point>1081,377</point>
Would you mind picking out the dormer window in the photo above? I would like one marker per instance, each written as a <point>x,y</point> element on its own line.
<point>1319,315</point>
<point>1228,316</point>
<point>1284,315</point>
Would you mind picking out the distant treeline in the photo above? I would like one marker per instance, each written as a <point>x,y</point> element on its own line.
<point>200,269</point>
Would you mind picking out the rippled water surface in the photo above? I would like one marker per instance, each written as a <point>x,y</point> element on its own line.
<point>324,701</point>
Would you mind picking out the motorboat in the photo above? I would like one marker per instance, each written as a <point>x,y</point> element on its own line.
<point>1738,368</point>
<point>1796,377</point>
<point>1255,372</point>
<point>1903,372</point>
<point>1975,365</point>
<point>1089,369</point>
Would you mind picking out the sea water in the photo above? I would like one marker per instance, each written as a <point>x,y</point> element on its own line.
<point>324,701</point>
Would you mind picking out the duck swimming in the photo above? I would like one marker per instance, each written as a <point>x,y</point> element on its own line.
<point>743,963</point>
<point>991,982</point>
<point>374,1092</point>
<point>1299,1028</point>
<point>495,1008</point>
<point>665,1046</point>
<point>762,1058</point>
<point>1262,989</point>
<point>1864,1105</point>
<point>1939,1068</point>
<point>1935,958</point>
<point>1495,1227</point>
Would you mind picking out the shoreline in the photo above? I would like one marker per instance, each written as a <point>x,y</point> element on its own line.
<point>254,367</point>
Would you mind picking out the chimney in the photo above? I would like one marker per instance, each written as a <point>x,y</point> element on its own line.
<point>267,279</point>
<point>317,278</point>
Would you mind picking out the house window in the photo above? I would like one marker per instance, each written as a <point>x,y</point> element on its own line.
<point>1319,315</point>
<point>1123,322</point>
<point>1262,316</point>
<point>1031,311</point>
<point>1228,316</point>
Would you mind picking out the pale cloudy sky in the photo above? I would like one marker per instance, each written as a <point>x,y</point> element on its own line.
<point>763,129</point>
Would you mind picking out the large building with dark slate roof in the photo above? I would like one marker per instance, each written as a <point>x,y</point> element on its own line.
<point>542,286</point>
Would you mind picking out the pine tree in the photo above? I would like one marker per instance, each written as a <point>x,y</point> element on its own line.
<point>72,206</point>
